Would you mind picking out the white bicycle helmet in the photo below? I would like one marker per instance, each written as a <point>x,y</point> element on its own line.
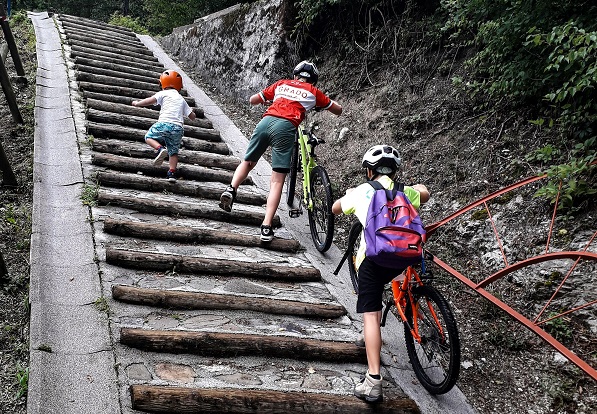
<point>307,70</point>
<point>383,159</point>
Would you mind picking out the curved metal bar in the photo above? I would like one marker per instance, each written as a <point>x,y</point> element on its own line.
<point>533,260</point>
<point>432,227</point>
<point>572,357</point>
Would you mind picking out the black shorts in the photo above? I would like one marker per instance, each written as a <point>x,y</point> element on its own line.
<point>372,280</point>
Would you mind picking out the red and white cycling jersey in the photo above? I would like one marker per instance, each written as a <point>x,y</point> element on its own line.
<point>292,99</point>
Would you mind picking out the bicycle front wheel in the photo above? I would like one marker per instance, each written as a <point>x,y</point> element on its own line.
<point>354,241</point>
<point>291,176</point>
<point>436,357</point>
<point>321,219</point>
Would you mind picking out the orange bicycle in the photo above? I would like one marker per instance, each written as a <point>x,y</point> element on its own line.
<point>430,330</point>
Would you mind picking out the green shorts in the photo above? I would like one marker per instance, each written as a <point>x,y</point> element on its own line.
<point>278,133</point>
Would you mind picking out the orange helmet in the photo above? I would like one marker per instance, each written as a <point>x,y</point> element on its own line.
<point>171,79</point>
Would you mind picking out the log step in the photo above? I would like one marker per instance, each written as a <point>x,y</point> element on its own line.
<point>124,91</point>
<point>136,134</point>
<point>146,166</point>
<point>139,50</point>
<point>139,61</point>
<point>125,120</point>
<point>100,64</point>
<point>137,259</point>
<point>119,81</point>
<point>168,399</point>
<point>173,207</point>
<point>114,59</point>
<point>128,109</point>
<point>97,24</point>
<point>177,299</point>
<point>214,344</point>
<point>193,235</point>
<point>142,150</point>
<point>208,190</point>
<point>74,29</point>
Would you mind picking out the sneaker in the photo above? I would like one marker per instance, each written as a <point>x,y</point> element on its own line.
<point>172,176</point>
<point>369,389</point>
<point>267,233</point>
<point>227,199</point>
<point>162,155</point>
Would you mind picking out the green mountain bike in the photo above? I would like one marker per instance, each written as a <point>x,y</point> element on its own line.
<point>317,190</point>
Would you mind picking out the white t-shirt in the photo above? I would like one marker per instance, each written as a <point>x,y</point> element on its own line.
<point>173,107</point>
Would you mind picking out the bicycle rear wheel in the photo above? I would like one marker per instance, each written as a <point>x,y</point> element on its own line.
<point>354,241</point>
<point>321,219</point>
<point>436,358</point>
<point>291,176</point>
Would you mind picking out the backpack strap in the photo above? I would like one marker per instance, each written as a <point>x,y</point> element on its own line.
<point>390,194</point>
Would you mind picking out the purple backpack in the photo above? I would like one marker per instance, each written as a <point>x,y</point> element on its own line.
<point>393,229</point>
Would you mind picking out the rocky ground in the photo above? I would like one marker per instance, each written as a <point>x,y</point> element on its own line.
<point>461,153</point>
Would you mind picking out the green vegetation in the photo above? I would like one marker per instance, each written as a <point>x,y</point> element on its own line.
<point>89,195</point>
<point>22,381</point>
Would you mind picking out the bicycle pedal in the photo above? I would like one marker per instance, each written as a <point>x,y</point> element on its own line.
<point>294,213</point>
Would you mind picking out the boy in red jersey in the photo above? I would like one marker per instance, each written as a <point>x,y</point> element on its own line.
<point>291,99</point>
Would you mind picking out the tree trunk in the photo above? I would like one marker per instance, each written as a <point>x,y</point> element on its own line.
<point>214,344</point>
<point>187,264</point>
<point>194,235</point>
<point>184,400</point>
<point>175,299</point>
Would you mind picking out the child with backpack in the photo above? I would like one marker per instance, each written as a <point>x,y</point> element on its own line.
<point>165,135</point>
<point>381,202</point>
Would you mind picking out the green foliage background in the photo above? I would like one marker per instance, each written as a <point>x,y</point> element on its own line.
<point>536,55</point>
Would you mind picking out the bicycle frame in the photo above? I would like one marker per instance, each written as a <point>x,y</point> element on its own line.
<point>402,290</point>
<point>307,157</point>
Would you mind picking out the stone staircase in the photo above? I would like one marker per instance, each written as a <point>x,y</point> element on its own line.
<point>203,317</point>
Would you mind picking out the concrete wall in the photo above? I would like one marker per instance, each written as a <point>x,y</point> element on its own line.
<point>239,50</point>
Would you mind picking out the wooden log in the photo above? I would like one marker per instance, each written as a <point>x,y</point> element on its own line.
<point>9,93</point>
<point>188,172</point>
<point>116,74</point>
<point>98,25</point>
<point>123,53</point>
<point>99,54</point>
<point>175,208</point>
<point>76,52</point>
<point>140,150</point>
<point>72,28</point>
<point>117,81</point>
<point>125,100</point>
<point>8,175</point>
<point>139,51</point>
<point>176,299</point>
<point>86,62</point>
<point>136,259</point>
<point>185,400</point>
<point>210,190</point>
<point>126,120</point>
<point>12,46</point>
<point>119,90</point>
<point>194,235</point>
<point>135,134</point>
<point>128,109</point>
<point>214,344</point>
